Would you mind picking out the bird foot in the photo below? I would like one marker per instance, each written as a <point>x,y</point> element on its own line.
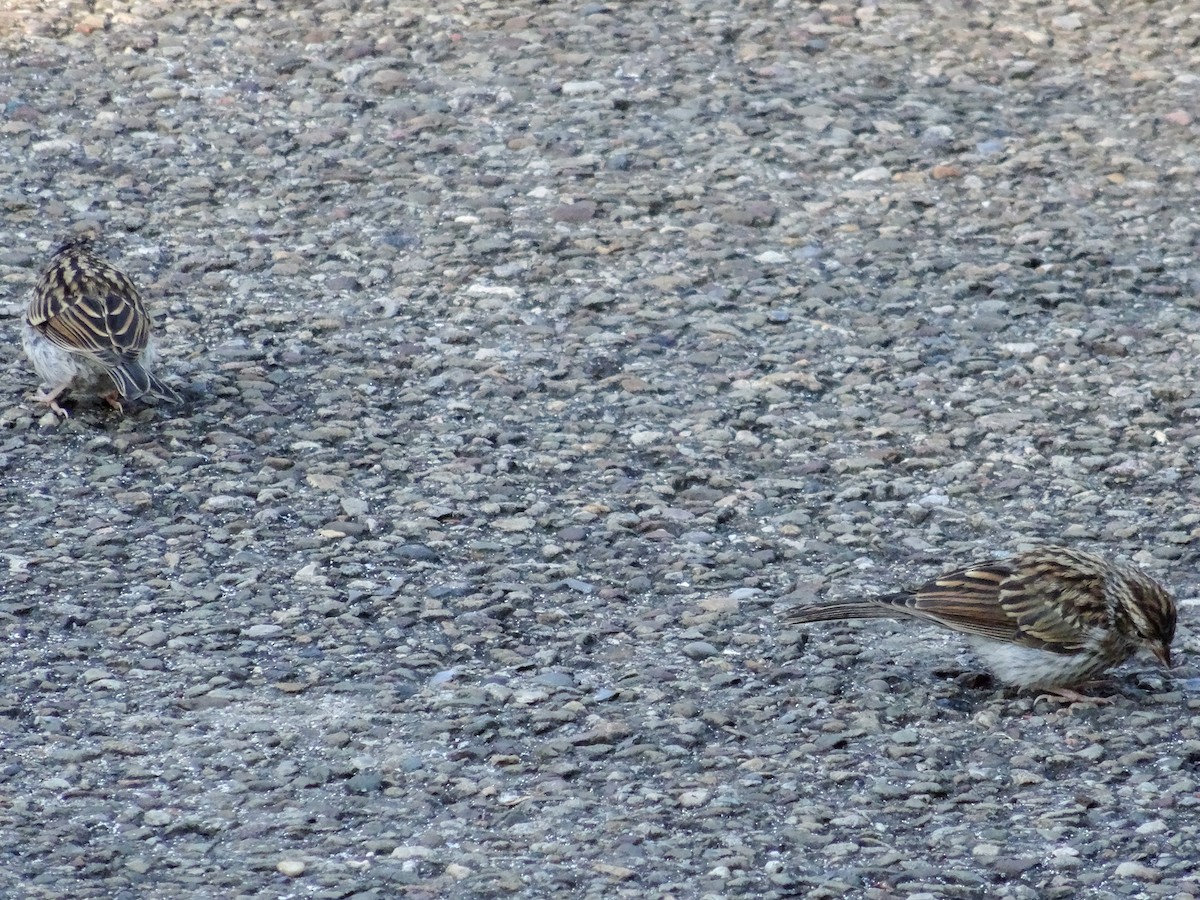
<point>1066,695</point>
<point>113,399</point>
<point>51,400</point>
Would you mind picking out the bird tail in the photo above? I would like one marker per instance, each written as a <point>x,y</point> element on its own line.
<point>889,606</point>
<point>134,381</point>
<point>131,379</point>
<point>162,390</point>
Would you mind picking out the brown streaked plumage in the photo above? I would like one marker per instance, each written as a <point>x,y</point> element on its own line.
<point>1048,618</point>
<point>87,329</point>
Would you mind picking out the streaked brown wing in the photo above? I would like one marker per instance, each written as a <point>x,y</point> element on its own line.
<point>1030,600</point>
<point>1057,607</point>
<point>967,600</point>
<point>84,305</point>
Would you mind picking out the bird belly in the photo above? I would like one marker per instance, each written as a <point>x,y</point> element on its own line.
<point>1031,667</point>
<point>57,367</point>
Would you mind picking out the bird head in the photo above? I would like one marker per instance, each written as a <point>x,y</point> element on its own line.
<point>1152,612</point>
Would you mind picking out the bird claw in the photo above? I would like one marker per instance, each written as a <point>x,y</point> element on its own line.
<point>1066,695</point>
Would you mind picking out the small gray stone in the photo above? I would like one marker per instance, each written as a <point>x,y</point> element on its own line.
<point>555,679</point>
<point>699,650</point>
<point>579,211</point>
<point>354,507</point>
<point>413,552</point>
<point>152,638</point>
<point>364,783</point>
<point>263,630</point>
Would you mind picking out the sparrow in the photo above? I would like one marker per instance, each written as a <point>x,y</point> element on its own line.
<point>1045,619</point>
<point>87,329</point>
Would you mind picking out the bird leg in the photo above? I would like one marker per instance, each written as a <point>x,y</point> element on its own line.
<point>113,399</point>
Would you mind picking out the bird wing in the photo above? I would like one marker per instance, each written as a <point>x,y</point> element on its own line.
<point>966,600</point>
<point>84,305</point>
<point>1046,606</point>
<point>1057,607</point>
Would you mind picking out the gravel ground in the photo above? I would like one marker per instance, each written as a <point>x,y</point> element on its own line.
<point>538,355</point>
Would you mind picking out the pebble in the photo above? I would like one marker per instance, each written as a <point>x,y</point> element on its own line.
<point>514,523</point>
<point>352,506</point>
<point>699,650</point>
<point>574,88</point>
<point>1136,871</point>
<point>645,438</point>
<point>875,173</point>
<point>263,630</point>
<point>693,798</point>
<point>154,637</point>
<point>364,783</point>
<point>580,211</point>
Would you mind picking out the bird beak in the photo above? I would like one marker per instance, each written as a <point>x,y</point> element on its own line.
<point>1163,654</point>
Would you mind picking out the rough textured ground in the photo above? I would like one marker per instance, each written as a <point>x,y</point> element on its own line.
<point>538,355</point>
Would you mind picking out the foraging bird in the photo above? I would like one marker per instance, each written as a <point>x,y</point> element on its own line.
<point>87,329</point>
<point>1048,618</point>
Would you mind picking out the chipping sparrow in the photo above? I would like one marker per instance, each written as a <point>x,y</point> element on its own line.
<point>1049,618</point>
<point>87,329</point>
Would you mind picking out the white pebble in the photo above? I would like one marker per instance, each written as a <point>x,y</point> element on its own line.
<point>875,173</point>
<point>1136,870</point>
<point>697,797</point>
<point>571,88</point>
<point>645,438</point>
